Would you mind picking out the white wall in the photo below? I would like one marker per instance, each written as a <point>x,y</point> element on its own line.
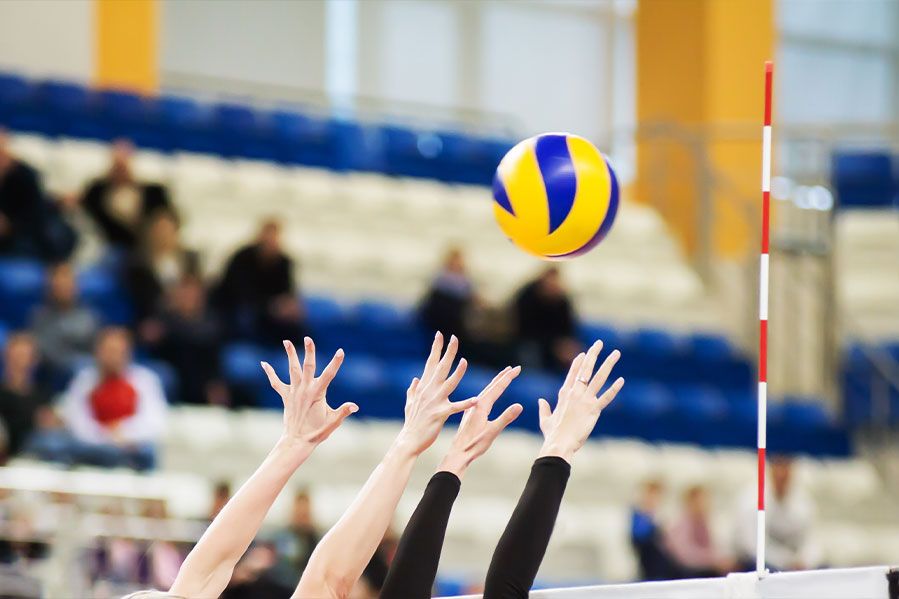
<point>48,38</point>
<point>268,42</point>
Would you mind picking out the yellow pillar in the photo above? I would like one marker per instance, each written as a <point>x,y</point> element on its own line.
<point>700,75</point>
<point>126,55</point>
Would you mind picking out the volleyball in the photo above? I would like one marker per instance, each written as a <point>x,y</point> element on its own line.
<point>555,195</point>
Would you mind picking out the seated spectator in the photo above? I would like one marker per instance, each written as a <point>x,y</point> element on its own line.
<point>187,337</point>
<point>257,295</point>
<point>157,265</point>
<point>294,545</point>
<point>690,541</point>
<point>25,214</point>
<point>65,329</point>
<point>449,301</point>
<point>113,411</point>
<point>789,515</point>
<point>119,205</point>
<point>23,405</point>
<point>546,321</point>
<point>647,538</point>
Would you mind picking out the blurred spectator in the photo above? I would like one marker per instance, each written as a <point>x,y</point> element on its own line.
<point>220,496</point>
<point>252,576</point>
<point>23,406</point>
<point>157,265</point>
<point>789,515</point>
<point>163,559</point>
<point>690,540</point>
<point>448,303</point>
<point>647,538</point>
<point>113,411</point>
<point>294,545</point>
<point>257,294</point>
<point>546,321</point>
<point>186,336</point>
<point>30,225</point>
<point>65,329</point>
<point>119,205</point>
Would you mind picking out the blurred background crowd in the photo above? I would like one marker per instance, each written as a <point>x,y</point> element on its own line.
<point>176,201</point>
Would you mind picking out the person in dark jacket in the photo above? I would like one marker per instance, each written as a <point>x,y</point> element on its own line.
<point>121,206</point>
<point>546,321</point>
<point>189,338</point>
<point>447,305</point>
<point>23,405</point>
<point>21,205</point>
<point>157,265</point>
<point>257,295</point>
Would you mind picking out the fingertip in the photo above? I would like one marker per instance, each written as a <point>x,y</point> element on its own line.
<point>353,408</point>
<point>286,343</point>
<point>307,341</point>
<point>339,353</point>
<point>264,364</point>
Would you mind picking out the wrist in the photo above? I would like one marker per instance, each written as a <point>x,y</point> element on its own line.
<point>294,447</point>
<point>556,449</point>
<point>454,464</point>
<point>403,447</point>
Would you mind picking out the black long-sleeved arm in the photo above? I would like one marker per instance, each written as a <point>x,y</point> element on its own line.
<point>521,548</point>
<point>414,567</point>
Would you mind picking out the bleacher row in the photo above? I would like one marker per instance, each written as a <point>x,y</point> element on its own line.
<point>693,388</point>
<point>855,522</point>
<point>284,135</point>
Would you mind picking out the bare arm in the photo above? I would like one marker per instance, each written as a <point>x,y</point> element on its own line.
<point>308,420</point>
<point>341,556</point>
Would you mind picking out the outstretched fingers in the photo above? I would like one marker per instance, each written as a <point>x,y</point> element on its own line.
<point>331,369</point>
<point>507,417</point>
<point>589,362</point>
<point>603,373</point>
<point>446,362</point>
<point>573,371</point>
<point>450,384</point>
<point>544,411</point>
<point>308,359</point>
<point>433,357</point>
<point>607,397</point>
<point>497,387</point>
<point>296,371</point>
<point>277,384</point>
<point>336,419</point>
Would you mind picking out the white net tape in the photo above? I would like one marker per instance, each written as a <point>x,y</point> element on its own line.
<point>848,583</point>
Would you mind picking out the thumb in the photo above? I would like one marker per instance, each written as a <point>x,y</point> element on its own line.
<point>545,412</point>
<point>337,418</point>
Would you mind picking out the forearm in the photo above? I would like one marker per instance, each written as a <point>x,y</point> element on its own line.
<point>207,568</point>
<point>523,544</point>
<point>340,558</point>
<point>414,567</point>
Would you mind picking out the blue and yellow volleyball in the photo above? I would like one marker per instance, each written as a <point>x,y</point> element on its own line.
<point>555,195</point>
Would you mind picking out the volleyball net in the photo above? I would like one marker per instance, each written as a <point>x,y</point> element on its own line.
<point>876,582</point>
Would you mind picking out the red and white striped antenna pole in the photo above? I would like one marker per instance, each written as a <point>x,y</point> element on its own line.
<point>763,323</point>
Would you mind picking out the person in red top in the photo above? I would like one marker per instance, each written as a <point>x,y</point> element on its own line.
<point>113,411</point>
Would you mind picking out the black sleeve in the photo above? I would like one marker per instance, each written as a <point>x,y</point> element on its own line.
<point>414,567</point>
<point>521,548</point>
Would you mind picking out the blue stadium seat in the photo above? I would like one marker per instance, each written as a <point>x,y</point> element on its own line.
<point>323,311</point>
<point>100,289</point>
<point>656,342</point>
<point>364,381</point>
<point>864,179</point>
<point>21,289</point>
<point>167,376</point>
<point>805,413</point>
<point>244,132</point>
<point>359,147</point>
<point>304,140</point>
<point>240,363</point>
<point>134,117</point>
<point>641,409</point>
<point>17,99</point>
<point>73,110</point>
<point>611,338</point>
<point>187,124</point>
<point>411,153</point>
<point>710,347</point>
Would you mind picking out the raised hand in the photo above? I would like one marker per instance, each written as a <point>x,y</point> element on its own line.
<point>476,432</point>
<point>565,429</point>
<point>308,419</point>
<point>427,399</point>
